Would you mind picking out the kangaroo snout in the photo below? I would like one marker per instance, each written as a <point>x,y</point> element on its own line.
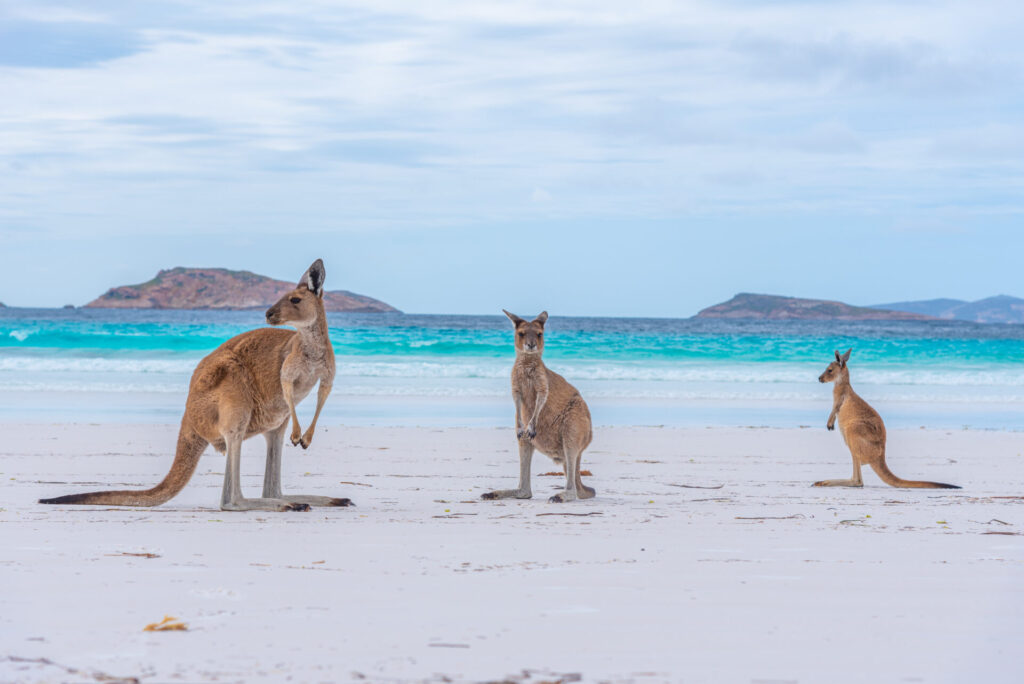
<point>273,315</point>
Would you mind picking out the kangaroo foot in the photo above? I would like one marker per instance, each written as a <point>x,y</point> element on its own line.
<point>318,500</point>
<point>263,505</point>
<point>837,483</point>
<point>563,497</point>
<point>507,494</point>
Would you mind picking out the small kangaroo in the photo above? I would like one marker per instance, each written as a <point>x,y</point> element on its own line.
<point>248,386</point>
<point>862,429</point>
<point>557,418</point>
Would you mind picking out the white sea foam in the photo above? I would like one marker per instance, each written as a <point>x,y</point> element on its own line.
<point>60,364</point>
<point>422,376</point>
<point>764,373</point>
<point>55,385</point>
<point>413,367</point>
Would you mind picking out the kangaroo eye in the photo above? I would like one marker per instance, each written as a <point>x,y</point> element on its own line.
<point>522,334</point>
<point>296,300</point>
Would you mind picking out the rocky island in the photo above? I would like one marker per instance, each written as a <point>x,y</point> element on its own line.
<point>773,307</point>
<point>998,309</point>
<point>219,288</point>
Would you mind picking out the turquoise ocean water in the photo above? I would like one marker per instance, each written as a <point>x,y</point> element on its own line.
<point>111,365</point>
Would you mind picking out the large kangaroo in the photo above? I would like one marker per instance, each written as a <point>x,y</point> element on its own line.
<point>862,429</point>
<point>249,386</point>
<point>557,418</point>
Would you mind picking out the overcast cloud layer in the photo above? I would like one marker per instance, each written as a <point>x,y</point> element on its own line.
<point>591,158</point>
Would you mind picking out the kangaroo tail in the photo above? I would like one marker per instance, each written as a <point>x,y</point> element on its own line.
<point>891,479</point>
<point>190,448</point>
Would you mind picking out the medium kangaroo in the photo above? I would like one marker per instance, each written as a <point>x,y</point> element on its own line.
<point>862,429</point>
<point>248,386</point>
<point>557,418</point>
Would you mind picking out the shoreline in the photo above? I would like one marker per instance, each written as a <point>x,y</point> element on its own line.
<point>423,582</point>
<point>46,407</point>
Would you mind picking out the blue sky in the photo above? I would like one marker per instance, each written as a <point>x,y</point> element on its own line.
<point>590,158</point>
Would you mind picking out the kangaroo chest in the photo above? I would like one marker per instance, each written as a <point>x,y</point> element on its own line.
<point>527,383</point>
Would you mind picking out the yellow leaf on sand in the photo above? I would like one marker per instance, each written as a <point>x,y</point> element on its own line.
<point>168,624</point>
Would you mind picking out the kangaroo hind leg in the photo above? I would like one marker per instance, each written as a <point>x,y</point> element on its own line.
<point>582,490</point>
<point>523,491</point>
<point>231,497</point>
<point>571,492</point>
<point>854,481</point>
<point>272,476</point>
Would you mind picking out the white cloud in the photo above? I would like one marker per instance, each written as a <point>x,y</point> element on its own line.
<point>397,113</point>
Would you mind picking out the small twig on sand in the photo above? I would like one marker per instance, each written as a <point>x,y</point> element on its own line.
<point>97,675</point>
<point>693,486</point>
<point>1008,534</point>
<point>580,514</point>
<point>138,555</point>
<point>357,484</point>
<point>771,517</point>
<point>448,645</point>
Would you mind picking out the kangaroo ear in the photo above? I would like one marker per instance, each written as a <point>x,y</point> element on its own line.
<point>313,278</point>
<point>845,357</point>
<point>515,319</point>
<point>839,359</point>
<point>542,318</point>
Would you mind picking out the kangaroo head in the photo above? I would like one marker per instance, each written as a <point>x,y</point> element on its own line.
<point>529,334</point>
<point>302,305</point>
<point>837,368</point>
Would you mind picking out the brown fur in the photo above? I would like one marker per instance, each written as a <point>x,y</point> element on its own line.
<point>551,416</point>
<point>248,386</point>
<point>863,431</point>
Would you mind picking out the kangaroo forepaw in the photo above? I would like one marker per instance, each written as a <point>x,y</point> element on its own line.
<point>531,431</point>
<point>341,502</point>
<point>563,497</point>
<point>831,426</point>
<point>520,432</point>
<point>296,438</point>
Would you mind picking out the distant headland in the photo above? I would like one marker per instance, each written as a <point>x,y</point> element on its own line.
<point>777,308</point>
<point>999,309</point>
<point>219,288</point>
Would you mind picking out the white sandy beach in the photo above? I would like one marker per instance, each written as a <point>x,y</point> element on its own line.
<point>763,580</point>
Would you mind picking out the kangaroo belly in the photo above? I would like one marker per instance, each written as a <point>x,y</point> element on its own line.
<point>550,445</point>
